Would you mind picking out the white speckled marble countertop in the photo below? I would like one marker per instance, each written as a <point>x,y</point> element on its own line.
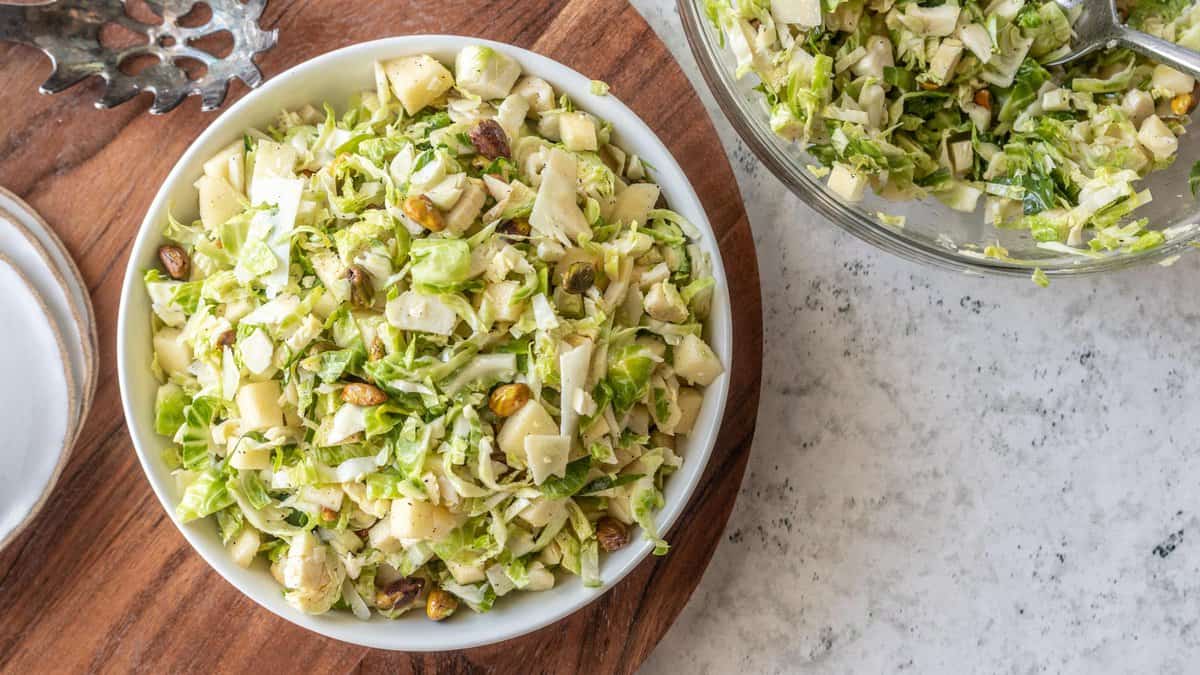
<point>952,474</point>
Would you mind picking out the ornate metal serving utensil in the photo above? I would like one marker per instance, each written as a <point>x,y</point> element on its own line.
<point>68,31</point>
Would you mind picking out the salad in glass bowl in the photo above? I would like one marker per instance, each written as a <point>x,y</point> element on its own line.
<point>957,100</point>
<point>431,350</point>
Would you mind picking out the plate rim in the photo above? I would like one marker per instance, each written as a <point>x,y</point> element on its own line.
<point>70,267</point>
<point>74,420</point>
<point>86,329</point>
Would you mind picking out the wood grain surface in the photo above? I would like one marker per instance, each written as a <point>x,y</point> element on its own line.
<point>102,580</point>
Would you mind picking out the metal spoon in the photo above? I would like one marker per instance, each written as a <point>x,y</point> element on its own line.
<point>1099,27</point>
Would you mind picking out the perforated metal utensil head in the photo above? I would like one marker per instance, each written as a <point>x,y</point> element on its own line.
<point>68,31</point>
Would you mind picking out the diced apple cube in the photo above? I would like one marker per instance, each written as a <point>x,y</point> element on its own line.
<point>245,545</point>
<point>257,352</point>
<point>1170,80</point>
<point>531,420</point>
<point>639,420</point>
<point>259,406</point>
<point>412,519</point>
<point>1137,105</point>
<point>174,355</point>
<point>696,362</point>
<point>847,183</point>
<point>578,130</point>
<point>500,298</point>
<point>1157,137</point>
<point>219,201</point>
<point>690,402</point>
<point>418,81</point>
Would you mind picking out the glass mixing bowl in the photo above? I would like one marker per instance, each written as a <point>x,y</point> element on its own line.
<point>932,233</point>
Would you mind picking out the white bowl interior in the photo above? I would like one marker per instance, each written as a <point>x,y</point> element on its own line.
<point>334,77</point>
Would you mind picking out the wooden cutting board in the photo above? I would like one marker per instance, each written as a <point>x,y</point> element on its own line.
<point>103,581</point>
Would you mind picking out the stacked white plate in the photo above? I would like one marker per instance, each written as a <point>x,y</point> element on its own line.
<point>47,359</point>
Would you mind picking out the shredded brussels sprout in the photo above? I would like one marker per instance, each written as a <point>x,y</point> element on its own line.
<point>428,346</point>
<point>953,99</point>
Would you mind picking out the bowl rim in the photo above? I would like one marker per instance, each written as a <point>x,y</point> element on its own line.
<point>626,124</point>
<point>767,149</point>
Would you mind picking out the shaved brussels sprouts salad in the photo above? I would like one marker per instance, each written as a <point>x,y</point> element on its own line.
<point>953,98</point>
<point>433,349</point>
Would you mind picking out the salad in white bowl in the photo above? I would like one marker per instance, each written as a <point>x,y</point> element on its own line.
<point>432,348</point>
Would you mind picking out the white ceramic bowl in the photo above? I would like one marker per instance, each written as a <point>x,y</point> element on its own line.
<point>334,77</point>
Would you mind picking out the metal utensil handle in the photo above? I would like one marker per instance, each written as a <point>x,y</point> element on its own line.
<point>15,22</point>
<point>1162,51</point>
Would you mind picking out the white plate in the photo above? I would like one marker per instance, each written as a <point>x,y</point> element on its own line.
<point>29,256</point>
<point>57,251</point>
<point>36,413</point>
<point>334,77</point>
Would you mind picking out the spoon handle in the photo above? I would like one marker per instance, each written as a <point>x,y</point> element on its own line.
<point>1168,53</point>
<point>16,22</point>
